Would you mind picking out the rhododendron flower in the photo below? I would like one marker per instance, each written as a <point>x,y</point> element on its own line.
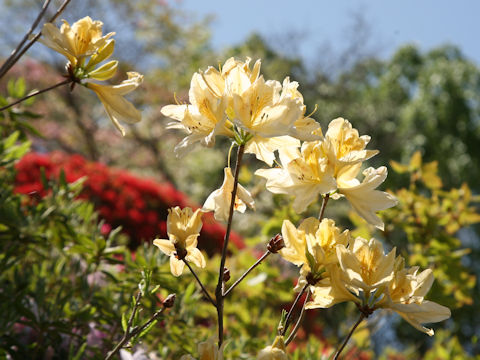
<point>207,350</point>
<point>362,195</point>
<point>112,97</point>
<point>236,101</point>
<point>205,117</point>
<point>219,200</point>
<point>276,351</point>
<point>84,38</point>
<point>364,265</point>
<point>313,239</point>
<point>183,229</point>
<point>405,295</point>
<point>344,147</point>
<point>330,166</point>
<point>304,175</point>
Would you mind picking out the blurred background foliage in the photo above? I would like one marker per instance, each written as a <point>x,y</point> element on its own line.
<point>65,281</point>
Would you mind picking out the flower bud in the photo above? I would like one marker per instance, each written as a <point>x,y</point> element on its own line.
<point>226,275</point>
<point>169,301</point>
<point>276,244</point>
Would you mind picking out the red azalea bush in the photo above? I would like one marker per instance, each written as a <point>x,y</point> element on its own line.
<point>139,206</point>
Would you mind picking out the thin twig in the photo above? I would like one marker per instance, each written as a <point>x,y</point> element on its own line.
<point>32,41</point>
<point>290,312</point>
<point>337,354</point>
<point>126,336</point>
<point>200,283</point>
<point>299,321</point>
<point>324,205</point>
<point>221,284</point>
<point>35,93</point>
<point>246,273</point>
<point>25,38</point>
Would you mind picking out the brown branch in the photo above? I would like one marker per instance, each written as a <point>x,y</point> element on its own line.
<point>324,205</point>
<point>35,93</point>
<point>299,321</point>
<point>337,354</point>
<point>290,312</point>
<point>200,283</point>
<point>10,62</point>
<point>221,284</point>
<point>246,273</point>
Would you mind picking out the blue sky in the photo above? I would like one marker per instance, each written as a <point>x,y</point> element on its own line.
<point>427,23</point>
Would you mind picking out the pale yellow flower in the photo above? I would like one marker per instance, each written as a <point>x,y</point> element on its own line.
<point>112,97</point>
<point>207,350</point>
<point>405,295</point>
<point>84,38</point>
<point>276,351</point>
<point>363,196</point>
<point>305,175</point>
<point>312,238</point>
<point>330,290</point>
<point>364,265</point>
<point>344,147</point>
<point>266,111</point>
<point>219,200</point>
<point>183,229</point>
<point>204,117</point>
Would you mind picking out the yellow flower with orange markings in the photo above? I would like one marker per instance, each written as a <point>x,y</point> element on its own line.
<point>237,102</point>
<point>219,200</point>
<point>405,295</point>
<point>117,107</point>
<point>84,38</point>
<point>183,229</point>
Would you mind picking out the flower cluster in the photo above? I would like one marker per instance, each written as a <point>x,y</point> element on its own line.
<point>330,166</point>
<point>139,205</point>
<point>264,116</point>
<point>84,40</point>
<point>237,102</point>
<point>336,267</point>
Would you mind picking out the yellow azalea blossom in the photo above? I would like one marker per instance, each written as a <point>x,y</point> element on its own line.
<point>276,351</point>
<point>183,229</point>
<point>364,265</point>
<point>112,97</point>
<point>304,175</point>
<point>204,117</point>
<point>344,147</point>
<point>405,295</point>
<point>330,290</point>
<point>207,350</point>
<point>219,200</point>
<point>362,195</point>
<point>84,38</point>
<point>266,111</point>
<point>318,239</point>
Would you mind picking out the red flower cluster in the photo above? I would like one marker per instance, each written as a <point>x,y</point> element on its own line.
<point>140,206</point>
